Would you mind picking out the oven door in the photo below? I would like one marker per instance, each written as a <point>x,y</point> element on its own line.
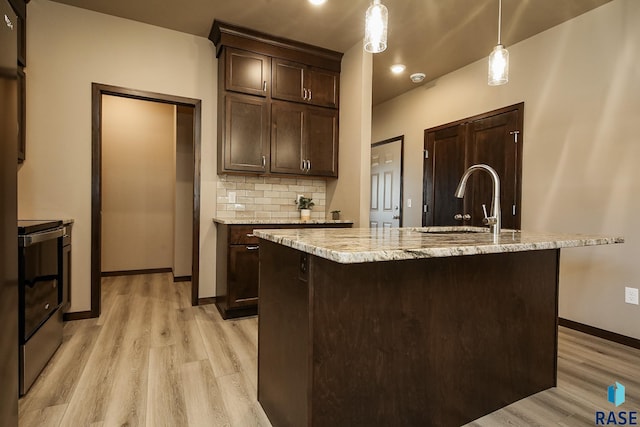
<point>40,279</point>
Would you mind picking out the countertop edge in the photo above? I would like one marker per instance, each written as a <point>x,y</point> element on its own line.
<point>365,256</point>
<point>251,221</point>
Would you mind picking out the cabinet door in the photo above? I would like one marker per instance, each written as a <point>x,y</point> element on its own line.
<point>247,72</point>
<point>287,134</point>
<point>243,275</point>
<point>246,133</point>
<point>288,80</point>
<point>323,87</point>
<point>320,147</point>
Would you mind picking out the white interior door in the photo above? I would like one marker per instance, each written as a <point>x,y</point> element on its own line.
<point>386,184</point>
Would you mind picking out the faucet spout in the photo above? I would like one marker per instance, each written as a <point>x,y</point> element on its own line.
<point>495,220</point>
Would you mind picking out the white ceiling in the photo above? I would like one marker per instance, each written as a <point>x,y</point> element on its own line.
<point>430,36</point>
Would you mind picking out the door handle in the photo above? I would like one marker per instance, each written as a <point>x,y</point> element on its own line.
<point>461,217</point>
<point>304,93</point>
<point>253,248</point>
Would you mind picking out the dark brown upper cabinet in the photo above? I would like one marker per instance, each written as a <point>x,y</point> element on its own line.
<point>247,72</point>
<point>245,146</point>
<point>278,104</point>
<point>304,140</point>
<point>299,83</point>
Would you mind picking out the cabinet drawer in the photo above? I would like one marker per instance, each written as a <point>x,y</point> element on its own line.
<point>242,235</point>
<point>40,300</point>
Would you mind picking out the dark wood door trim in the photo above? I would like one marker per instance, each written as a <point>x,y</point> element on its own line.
<point>97,90</point>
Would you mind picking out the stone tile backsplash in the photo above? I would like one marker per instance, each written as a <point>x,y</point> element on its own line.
<point>267,197</point>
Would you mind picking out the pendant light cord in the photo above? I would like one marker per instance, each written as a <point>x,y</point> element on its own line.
<point>499,21</point>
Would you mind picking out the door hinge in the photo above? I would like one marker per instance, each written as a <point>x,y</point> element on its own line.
<point>514,210</point>
<point>515,134</point>
<point>426,154</point>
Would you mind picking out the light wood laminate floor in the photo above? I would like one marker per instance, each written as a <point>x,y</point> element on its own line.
<point>153,360</point>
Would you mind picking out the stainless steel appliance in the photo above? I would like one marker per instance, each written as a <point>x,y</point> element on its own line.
<point>40,296</point>
<point>8,209</point>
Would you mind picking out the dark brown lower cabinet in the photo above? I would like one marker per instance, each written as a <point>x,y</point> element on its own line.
<point>243,275</point>
<point>237,266</point>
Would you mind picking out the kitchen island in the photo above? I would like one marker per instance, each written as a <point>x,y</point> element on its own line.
<point>405,327</point>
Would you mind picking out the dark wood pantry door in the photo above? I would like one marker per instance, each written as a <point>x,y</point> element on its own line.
<point>493,138</point>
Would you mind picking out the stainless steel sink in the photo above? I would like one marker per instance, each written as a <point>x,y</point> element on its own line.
<point>452,230</point>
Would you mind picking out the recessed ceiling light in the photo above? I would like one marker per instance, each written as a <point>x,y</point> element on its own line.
<point>417,77</point>
<point>397,68</point>
<point>317,2</point>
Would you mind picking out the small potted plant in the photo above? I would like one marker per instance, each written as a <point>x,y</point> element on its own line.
<point>304,205</point>
<point>335,215</point>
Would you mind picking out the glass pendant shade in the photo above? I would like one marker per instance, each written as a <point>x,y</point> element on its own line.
<point>375,31</point>
<point>498,66</point>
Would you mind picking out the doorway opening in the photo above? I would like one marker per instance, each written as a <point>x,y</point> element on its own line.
<point>187,114</point>
<point>387,170</point>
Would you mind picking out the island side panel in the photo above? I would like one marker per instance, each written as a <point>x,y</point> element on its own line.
<point>283,337</point>
<point>431,342</point>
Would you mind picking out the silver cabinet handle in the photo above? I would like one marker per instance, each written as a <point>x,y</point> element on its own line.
<point>466,216</point>
<point>253,248</point>
<point>264,162</point>
<point>264,86</point>
<point>310,95</point>
<point>303,165</point>
<point>461,217</point>
<point>251,235</point>
<point>304,93</point>
<point>308,165</point>
<point>46,306</point>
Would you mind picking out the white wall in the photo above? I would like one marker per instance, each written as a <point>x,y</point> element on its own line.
<point>350,193</point>
<point>68,49</point>
<point>580,82</point>
<point>138,184</point>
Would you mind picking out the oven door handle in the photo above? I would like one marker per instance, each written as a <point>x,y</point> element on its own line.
<point>32,239</point>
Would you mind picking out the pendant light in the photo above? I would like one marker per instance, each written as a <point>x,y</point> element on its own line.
<point>499,58</point>
<point>375,29</point>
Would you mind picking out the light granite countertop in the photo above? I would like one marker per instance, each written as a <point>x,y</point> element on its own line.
<point>253,221</point>
<point>359,245</point>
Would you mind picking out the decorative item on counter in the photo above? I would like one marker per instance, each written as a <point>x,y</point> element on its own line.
<point>304,205</point>
<point>335,215</point>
